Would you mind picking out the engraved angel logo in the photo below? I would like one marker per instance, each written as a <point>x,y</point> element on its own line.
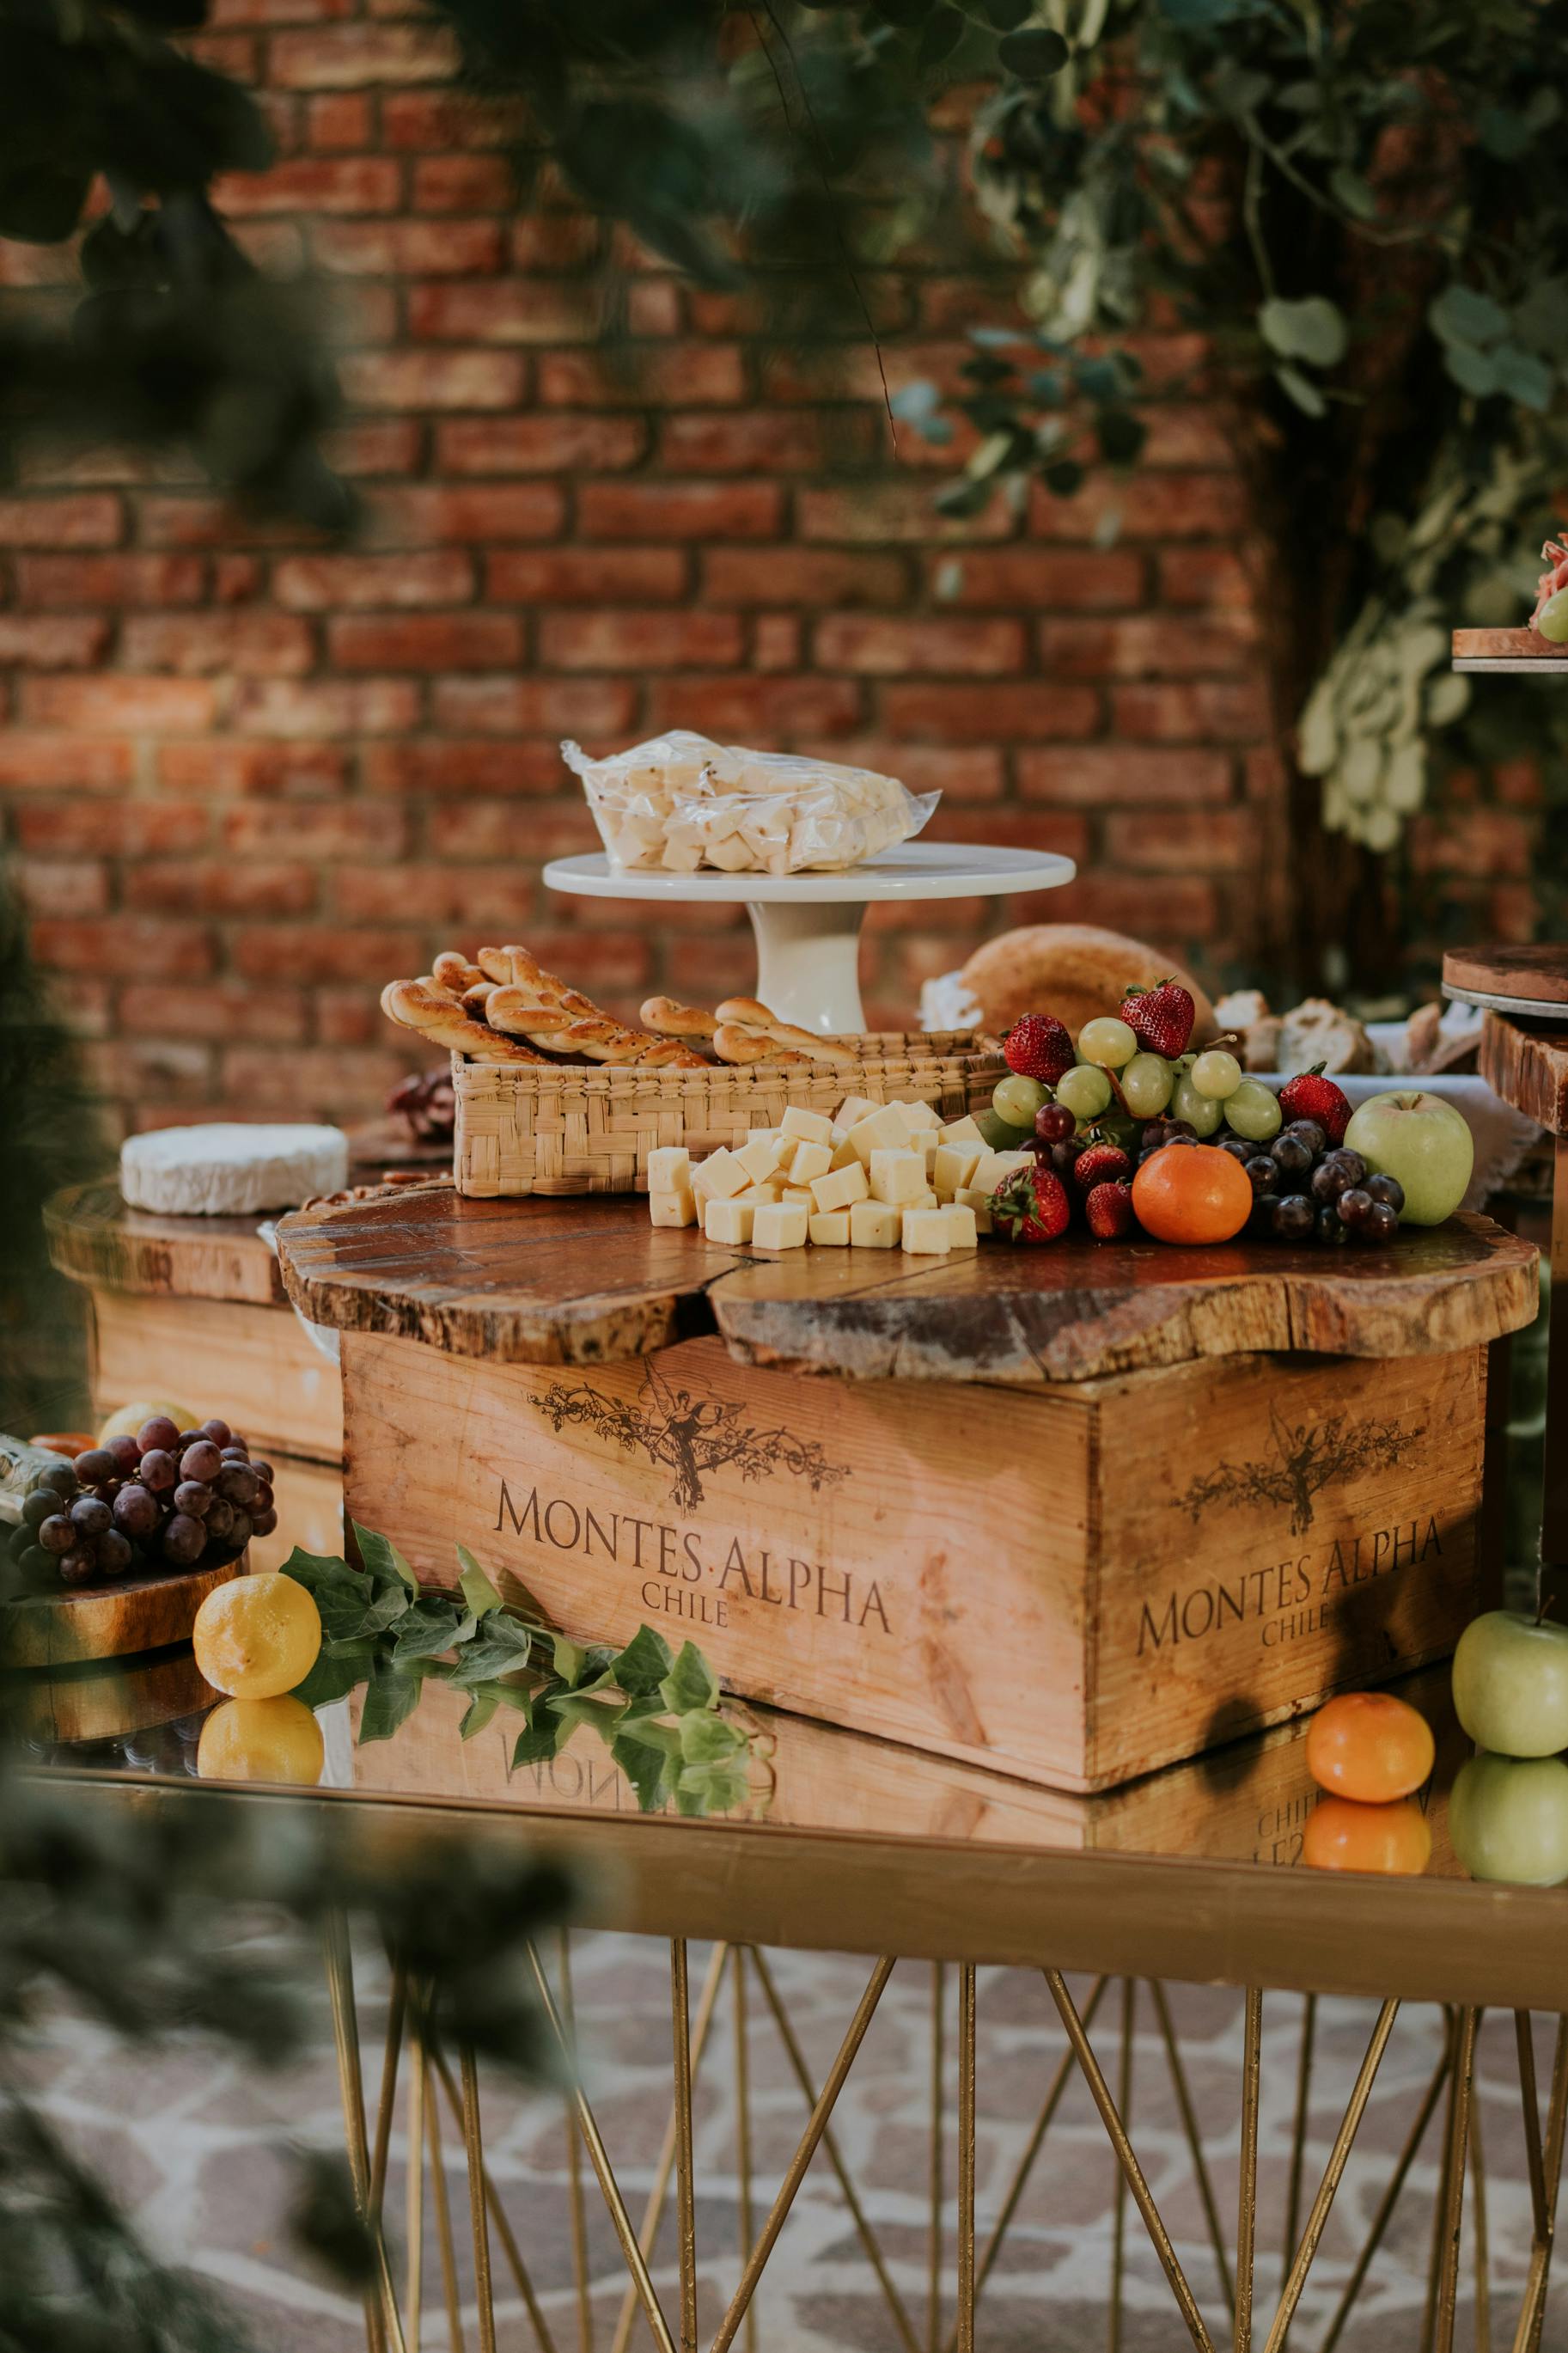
<point>1303,1461</point>
<point>689,1435</point>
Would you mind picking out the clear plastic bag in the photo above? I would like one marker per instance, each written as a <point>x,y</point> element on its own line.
<point>679,802</point>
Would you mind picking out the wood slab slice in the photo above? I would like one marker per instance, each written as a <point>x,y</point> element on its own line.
<point>1539,974</point>
<point>1528,1068</point>
<point>1507,649</point>
<point>95,1237</point>
<point>105,1699</point>
<point>108,1621</point>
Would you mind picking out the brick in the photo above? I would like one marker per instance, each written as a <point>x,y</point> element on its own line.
<point>1473,841</point>
<point>392,248</point>
<point>66,582</point>
<point>170,1071</point>
<point>222,766</point>
<point>890,648</point>
<point>752,709</point>
<point>548,310</point>
<point>314,1082</point>
<point>1204,577</point>
<point>147,948</point>
<point>963,773</point>
<point>65,764</point>
<point>140,828</point>
<point>307,952</point>
<point>680,510</point>
<point>585,575</point>
<point>608,639</point>
<point>1023,579</point>
<point>539,444</point>
<point>185,520</point>
<point>425,641</point>
<point>86,1005</point>
<point>235,580</point>
<point>53,642</point>
<point>498,892</point>
<point>370,706</point>
<point>348,57</point>
<point>766,442</point>
<point>225,886</point>
<point>1195,711</point>
<point>349,1017</point>
<point>1097,776</point>
<point>317,584</point>
<point>490,828</point>
<point>490,512</point>
<point>1184,911</point>
<point>312,184</point>
<point>663,375</point>
<point>1147,645</point>
<point>375,444</point>
<point>324,829</point>
<point>424,120</point>
<point>463,184</point>
<point>218,1010</point>
<point>82,521</point>
<point>227,13</point>
<point>1158,506</point>
<point>558,241</point>
<point>366,315</point>
<point>453,766</point>
<point>1062,831</point>
<point>1172,841</point>
<point>257,644</point>
<point>341,120</point>
<point>464,379</point>
<point>535,706</point>
<point>176,706</point>
<point>802,576</point>
<point>1018,710</point>
<point>777,642</point>
<point>61,886</point>
<point>876,512</point>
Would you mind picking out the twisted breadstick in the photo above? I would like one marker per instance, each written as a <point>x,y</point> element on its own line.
<point>454,973</point>
<point>748,1014</point>
<point>674,1020</point>
<point>593,1035</point>
<point>442,1019</point>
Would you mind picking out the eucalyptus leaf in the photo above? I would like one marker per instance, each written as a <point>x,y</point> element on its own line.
<point>1524,376</point>
<point>1473,371</point>
<point>1313,329</point>
<point>1301,389</point>
<point>1462,315</point>
<point>1066,477</point>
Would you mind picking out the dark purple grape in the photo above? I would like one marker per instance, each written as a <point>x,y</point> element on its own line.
<point>242,1530</point>
<point>37,1506</point>
<point>1237,1147</point>
<point>135,1510</point>
<point>60,1476</point>
<point>57,1533</point>
<point>158,1435</point>
<point>1388,1191</point>
<point>1064,1155</point>
<point>1294,1218</point>
<point>1261,1173</point>
<point>264,1523</point>
<point>37,1564</point>
<point>89,1517</point>
<point>20,1539</point>
<point>1336,1174</point>
<point>201,1460</point>
<point>115,1554</point>
<point>96,1465</point>
<point>220,1519</point>
<point>126,1454</point>
<point>1310,1132</point>
<point>1289,1154</point>
<point>265,1472</point>
<point>265,1499</point>
<point>1332,1227</point>
<point>184,1540</point>
<point>189,1438</point>
<point>159,1470</point>
<point>195,1498</point>
<point>1352,1206</point>
<point>219,1432</point>
<point>77,1566</point>
<point>1379,1224</point>
<point>1180,1130</point>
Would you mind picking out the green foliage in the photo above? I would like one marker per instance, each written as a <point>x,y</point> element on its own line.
<point>660,1714</point>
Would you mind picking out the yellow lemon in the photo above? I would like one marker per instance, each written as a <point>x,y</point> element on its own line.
<point>129,1419</point>
<point>256,1636</point>
<point>261,1740</point>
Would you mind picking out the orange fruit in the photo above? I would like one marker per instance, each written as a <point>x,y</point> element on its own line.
<point>257,1637</point>
<point>274,1739</point>
<point>1369,1746</point>
<point>1192,1193</point>
<point>1342,1836</point>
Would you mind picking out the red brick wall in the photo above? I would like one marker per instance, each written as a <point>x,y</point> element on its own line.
<point>246,780</point>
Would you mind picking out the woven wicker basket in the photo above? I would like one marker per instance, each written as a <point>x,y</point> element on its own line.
<point>586,1128</point>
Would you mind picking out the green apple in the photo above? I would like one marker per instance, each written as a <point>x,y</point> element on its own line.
<point>1423,1144</point>
<point>1511,1684</point>
<point>1508,1818</point>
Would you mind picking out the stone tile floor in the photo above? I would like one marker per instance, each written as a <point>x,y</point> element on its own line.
<point>200,2150</point>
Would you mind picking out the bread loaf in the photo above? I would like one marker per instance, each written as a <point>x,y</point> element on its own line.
<point>1074,970</point>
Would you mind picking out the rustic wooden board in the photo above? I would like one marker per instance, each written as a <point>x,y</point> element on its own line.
<point>587,1282</point>
<point>254,1366</point>
<point>108,1621</point>
<point>1539,974</point>
<point>1528,1068</point>
<point>96,1238</point>
<point>1506,650</point>
<point>105,1699</point>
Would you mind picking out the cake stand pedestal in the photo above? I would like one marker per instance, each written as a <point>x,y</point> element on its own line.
<point>807,927</point>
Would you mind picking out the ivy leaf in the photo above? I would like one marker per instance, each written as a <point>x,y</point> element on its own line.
<point>645,1768</point>
<point>649,1731</point>
<point>692,1682</point>
<point>1301,390</point>
<point>1035,53</point>
<point>534,1745</point>
<point>390,1701</point>
<point>1471,370</point>
<point>708,1790</point>
<point>478,1713</point>
<point>706,1738</point>
<point>640,1669</point>
<point>1462,315</point>
<point>335,1673</point>
<point>1313,329</point>
<point>1066,477</point>
<point>1523,377</point>
<point>382,1558</point>
<point>1120,435</point>
<point>430,1627</point>
<point>568,1658</point>
<point>477,1591</point>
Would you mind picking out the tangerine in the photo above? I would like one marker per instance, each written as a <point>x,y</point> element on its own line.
<point>1192,1193</point>
<point>1369,1746</point>
<point>1341,1835</point>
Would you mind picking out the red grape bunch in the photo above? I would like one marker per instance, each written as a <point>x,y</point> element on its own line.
<point>166,1498</point>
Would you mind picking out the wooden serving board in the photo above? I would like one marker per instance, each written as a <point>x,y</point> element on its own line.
<point>108,1621</point>
<point>106,1699</point>
<point>1505,651</point>
<point>590,1282</point>
<point>95,1237</point>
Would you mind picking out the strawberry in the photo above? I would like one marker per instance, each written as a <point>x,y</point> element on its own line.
<point>1040,1047</point>
<point>1101,1163</point>
<point>1108,1212</point>
<point>1161,1019</point>
<point>1311,1096</point>
<point>1032,1204</point>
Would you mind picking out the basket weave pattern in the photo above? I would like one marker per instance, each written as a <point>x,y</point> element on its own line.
<point>589,1129</point>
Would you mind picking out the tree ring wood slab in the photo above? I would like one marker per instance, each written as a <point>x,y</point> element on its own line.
<point>97,1238</point>
<point>1530,981</point>
<point>584,1281</point>
<point>1506,652</point>
<point>106,1699</point>
<point>1528,1069</point>
<point>108,1621</point>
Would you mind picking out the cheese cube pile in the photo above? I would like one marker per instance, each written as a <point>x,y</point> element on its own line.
<point>875,1176</point>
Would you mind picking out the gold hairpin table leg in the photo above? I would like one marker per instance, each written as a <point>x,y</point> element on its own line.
<point>1339,2156</point>
<point>936,2181</point>
<point>383,2325</point>
<point>575,2206</point>
<point>1118,2186</point>
<point>966,2030</point>
<point>1246,2191</point>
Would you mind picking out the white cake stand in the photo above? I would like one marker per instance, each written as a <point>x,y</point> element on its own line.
<point>808,926</point>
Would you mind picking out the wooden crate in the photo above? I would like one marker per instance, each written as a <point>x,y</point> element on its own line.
<point>1075,1583</point>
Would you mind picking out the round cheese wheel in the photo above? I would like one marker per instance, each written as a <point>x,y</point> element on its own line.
<point>230,1169</point>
